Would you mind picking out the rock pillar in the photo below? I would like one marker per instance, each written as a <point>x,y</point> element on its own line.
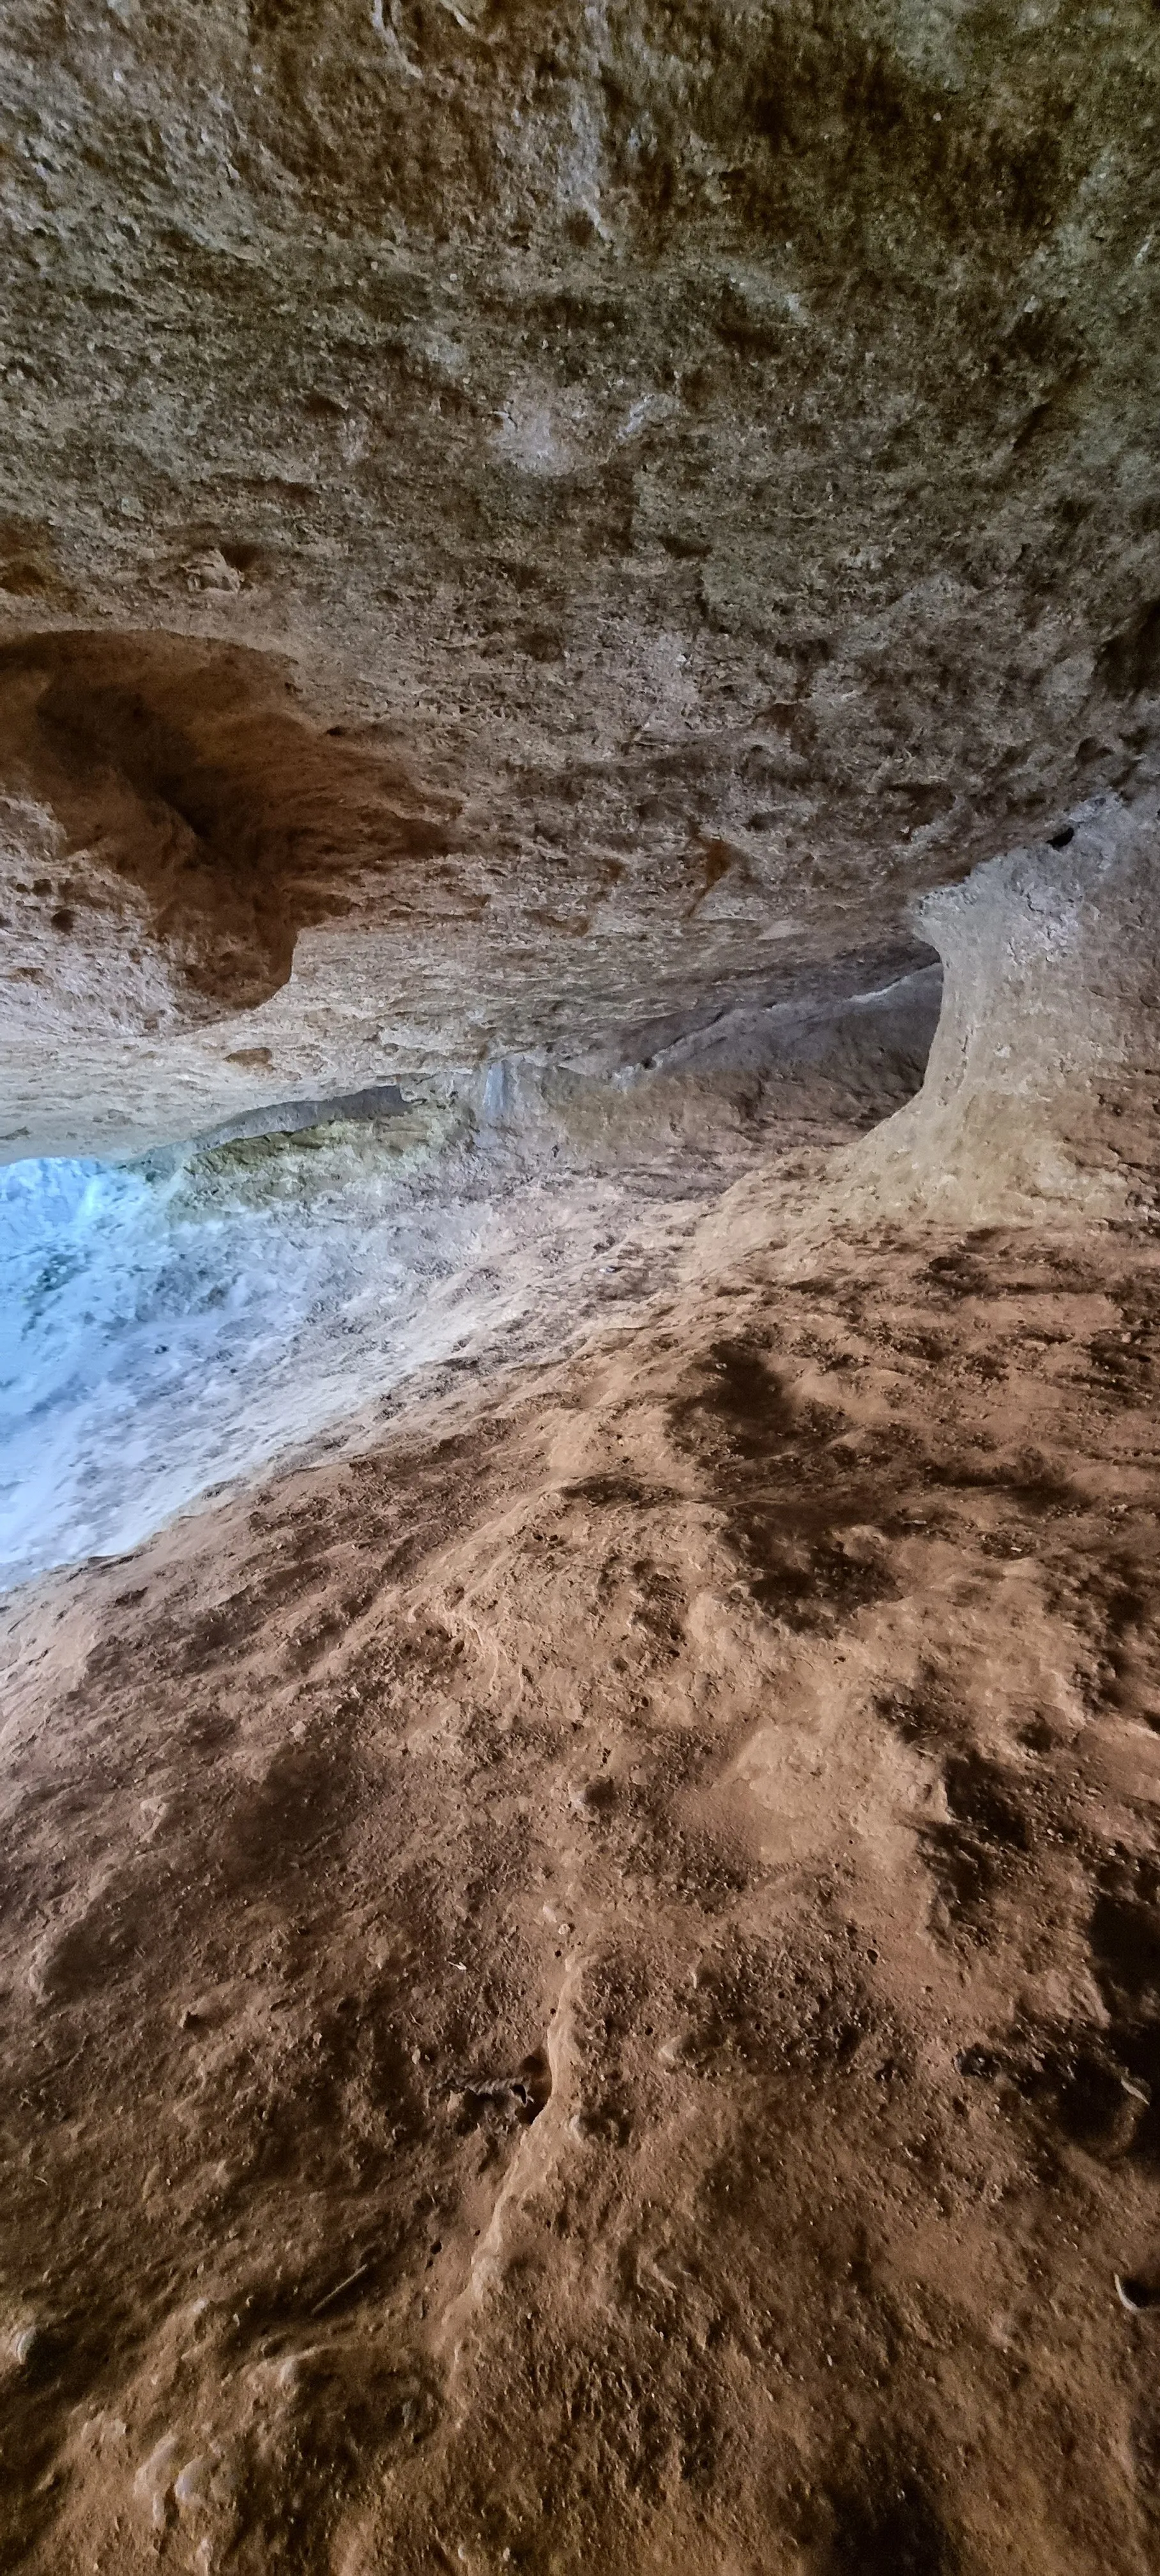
<point>1043,1082</point>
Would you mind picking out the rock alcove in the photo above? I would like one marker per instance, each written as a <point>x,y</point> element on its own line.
<point>184,813</point>
<point>579,711</point>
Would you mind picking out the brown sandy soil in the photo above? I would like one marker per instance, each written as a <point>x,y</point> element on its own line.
<point>582,1991</point>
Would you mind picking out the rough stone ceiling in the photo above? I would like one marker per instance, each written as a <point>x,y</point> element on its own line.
<point>709,451</point>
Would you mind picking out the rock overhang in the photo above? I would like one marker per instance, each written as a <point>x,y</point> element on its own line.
<point>708,452</point>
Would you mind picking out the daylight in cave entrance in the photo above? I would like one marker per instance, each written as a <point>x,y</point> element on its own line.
<point>579,789</point>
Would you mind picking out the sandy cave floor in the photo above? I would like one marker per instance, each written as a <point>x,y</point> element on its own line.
<point>582,1990</point>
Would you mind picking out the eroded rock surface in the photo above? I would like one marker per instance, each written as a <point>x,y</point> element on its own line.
<point>712,447</point>
<point>1043,1083</point>
<point>580,1966</point>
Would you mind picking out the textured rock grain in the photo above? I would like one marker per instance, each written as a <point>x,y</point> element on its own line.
<point>1043,1082</point>
<point>713,445</point>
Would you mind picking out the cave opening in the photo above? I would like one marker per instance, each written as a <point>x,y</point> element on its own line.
<point>174,1322</point>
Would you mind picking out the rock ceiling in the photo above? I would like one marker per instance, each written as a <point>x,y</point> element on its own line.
<point>571,516</point>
